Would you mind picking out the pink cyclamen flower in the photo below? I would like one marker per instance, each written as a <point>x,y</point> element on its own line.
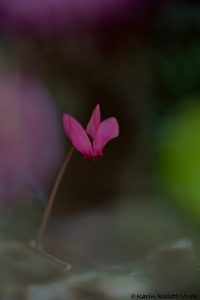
<point>91,142</point>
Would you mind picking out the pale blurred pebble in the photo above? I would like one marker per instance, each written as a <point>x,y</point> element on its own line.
<point>91,285</point>
<point>31,146</point>
<point>122,287</point>
<point>54,291</point>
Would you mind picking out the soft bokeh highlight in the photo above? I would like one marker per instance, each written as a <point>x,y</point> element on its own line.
<point>54,15</point>
<point>30,138</point>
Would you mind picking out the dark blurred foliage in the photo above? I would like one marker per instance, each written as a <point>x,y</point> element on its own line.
<point>139,65</point>
<point>176,51</point>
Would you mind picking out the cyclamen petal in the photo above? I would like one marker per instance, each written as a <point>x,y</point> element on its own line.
<point>94,122</point>
<point>100,132</point>
<point>107,130</point>
<point>77,135</point>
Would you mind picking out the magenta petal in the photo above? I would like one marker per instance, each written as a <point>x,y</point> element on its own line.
<point>77,135</point>
<point>94,122</point>
<point>107,130</point>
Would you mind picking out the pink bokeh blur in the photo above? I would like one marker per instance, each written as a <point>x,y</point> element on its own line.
<point>30,138</point>
<point>66,16</point>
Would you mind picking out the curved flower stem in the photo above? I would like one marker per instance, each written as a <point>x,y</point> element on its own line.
<point>47,212</point>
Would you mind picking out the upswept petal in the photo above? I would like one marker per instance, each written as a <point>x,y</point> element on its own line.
<point>94,122</point>
<point>77,135</point>
<point>107,130</point>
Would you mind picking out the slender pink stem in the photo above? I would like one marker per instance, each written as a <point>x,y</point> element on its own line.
<point>48,209</point>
